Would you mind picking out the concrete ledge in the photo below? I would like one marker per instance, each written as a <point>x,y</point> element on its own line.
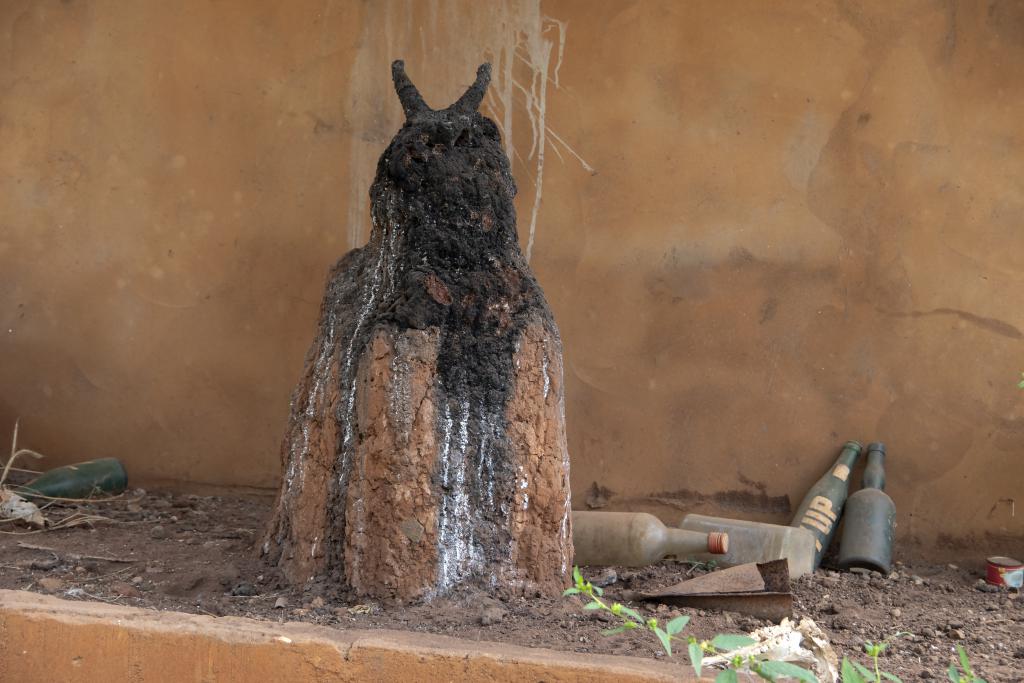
<point>43,638</point>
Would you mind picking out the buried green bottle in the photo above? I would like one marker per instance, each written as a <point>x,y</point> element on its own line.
<point>870,520</point>
<point>101,477</point>
<point>820,510</point>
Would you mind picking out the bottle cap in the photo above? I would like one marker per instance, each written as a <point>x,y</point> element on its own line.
<point>877,446</point>
<point>855,445</point>
<point>718,543</point>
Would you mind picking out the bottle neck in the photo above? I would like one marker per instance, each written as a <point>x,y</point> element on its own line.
<point>874,472</point>
<point>683,542</point>
<point>844,463</point>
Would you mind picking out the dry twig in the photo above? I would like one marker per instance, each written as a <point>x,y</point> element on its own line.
<point>44,548</point>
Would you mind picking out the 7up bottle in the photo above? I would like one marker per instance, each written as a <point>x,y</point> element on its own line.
<point>819,512</point>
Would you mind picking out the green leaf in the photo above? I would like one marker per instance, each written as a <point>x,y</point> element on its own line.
<point>676,625</point>
<point>850,674</point>
<point>632,613</point>
<point>696,657</point>
<point>953,674</point>
<point>965,663</point>
<point>615,631</point>
<point>598,590</point>
<point>891,677</point>
<point>786,669</point>
<point>593,604</point>
<point>666,641</point>
<point>570,591</point>
<point>863,670</point>
<point>728,641</point>
<point>577,577</point>
<point>727,676</point>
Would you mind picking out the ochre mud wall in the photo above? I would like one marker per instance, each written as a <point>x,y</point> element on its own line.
<point>763,228</point>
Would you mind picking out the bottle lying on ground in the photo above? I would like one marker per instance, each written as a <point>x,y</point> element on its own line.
<point>93,478</point>
<point>634,539</point>
<point>757,542</point>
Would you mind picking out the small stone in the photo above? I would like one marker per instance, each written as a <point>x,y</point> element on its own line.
<point>895,613</point>
<point>300,612</point>
<point>136,580</point>
<point>956,633</point>
<point>925,674</point>
<point>244,589</point>
<point>51,584</point>
<point>830,581</point>
<point>918,581</point>
<point>894,576</point>
<point>661,609</point>
<point>125,589</point>
<point>606,578</point>
<point>46,564</point>
<point>832,608</point>
<point>492,615</point>
<point>281,603</point>
<point>133,507</point>
<point>953,567</point>
<point>317,602</point>
<point>412,529</point>
<point>955,624</point>
<point>158,532</point>
<point>79,569</point>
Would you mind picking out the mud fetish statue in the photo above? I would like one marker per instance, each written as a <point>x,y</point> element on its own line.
<point>425,450</point>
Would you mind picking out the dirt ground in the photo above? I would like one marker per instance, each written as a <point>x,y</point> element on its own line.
<point>170,551</point>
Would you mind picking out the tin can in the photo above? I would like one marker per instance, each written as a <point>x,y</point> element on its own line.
<point>1005,571</point>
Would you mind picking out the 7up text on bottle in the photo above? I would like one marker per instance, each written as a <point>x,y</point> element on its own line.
<point>820,510</point>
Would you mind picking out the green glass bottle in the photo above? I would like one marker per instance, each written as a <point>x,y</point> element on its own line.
<point>870,520</point>
<point>102,477</point>
<point>819,512</point>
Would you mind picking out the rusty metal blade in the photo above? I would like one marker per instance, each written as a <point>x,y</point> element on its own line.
<point>760,590</point>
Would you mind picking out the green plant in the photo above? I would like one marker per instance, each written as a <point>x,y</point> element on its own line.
<point>1020,385</point>
<point>855,672</point>
<point>964,674</point>
<point>767,669</point>
<point>631,619</point>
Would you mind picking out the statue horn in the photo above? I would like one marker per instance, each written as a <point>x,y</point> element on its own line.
<point>472,98</point>
<point>408,95</point>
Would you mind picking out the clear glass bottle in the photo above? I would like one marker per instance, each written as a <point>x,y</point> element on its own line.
<point>634,539</point>
<point>757,542</point>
